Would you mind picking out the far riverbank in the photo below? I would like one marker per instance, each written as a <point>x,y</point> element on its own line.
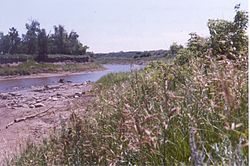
<point>32,68</point>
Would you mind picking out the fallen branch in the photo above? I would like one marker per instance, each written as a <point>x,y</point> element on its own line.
<point>27,117</point>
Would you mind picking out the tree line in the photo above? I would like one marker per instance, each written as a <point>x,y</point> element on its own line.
<point>36,41</point>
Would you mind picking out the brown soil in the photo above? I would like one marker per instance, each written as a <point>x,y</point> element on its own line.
<point>59,99</point>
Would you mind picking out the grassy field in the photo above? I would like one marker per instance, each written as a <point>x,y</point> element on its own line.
<point>167,114</point>
<point>32,67</point>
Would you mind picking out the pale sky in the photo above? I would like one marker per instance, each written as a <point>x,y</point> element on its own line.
<point>120,25</point>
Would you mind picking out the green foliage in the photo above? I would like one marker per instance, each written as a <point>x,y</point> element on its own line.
<point>30,38</point>
<point>35,41</point>
<point>240,38</point>
<point>174,48</point>
<point>63,43</point>
<point>5,44</point>
<point>14,40</point>
<point>229,38</point>
<point>42,45</point>
<point>183,56</point>
<point>197,44</point>
<point>112,79</point>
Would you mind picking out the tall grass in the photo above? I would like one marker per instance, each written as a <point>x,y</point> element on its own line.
<point>112,79</point>
<point>168,114</point>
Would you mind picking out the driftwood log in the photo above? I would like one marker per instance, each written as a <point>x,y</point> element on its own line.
<point>27,117</point>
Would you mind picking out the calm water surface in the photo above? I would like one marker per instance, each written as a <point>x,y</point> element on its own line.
<point>26,83</point>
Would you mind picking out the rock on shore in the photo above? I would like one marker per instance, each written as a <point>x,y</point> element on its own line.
<point>23,103</point>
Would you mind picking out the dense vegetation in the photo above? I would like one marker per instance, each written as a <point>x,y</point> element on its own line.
<point>192,110</point>
<point>36,41</point>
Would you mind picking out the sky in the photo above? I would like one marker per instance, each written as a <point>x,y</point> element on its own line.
<point>120,25</point>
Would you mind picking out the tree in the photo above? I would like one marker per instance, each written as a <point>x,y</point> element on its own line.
<point>63,43</point>
<point>197,44</point>
<point>5,44</point>
<point>1,42</point>
<point>183,56</point>
<point>30,39</point>
<point>84,50</point>
<point>74,46</point>
<point>227,37</point>
<point>42,45</point>
<point>174,48</point>
<point>240,24</point>
<point>59,39</point>
<point>14,40</point>
<point>72,43</point>
<point>36,41</point>
<point>220,31</point>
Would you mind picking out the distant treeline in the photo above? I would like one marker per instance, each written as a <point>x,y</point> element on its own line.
<point>134,54</point>
<point>36,41</point>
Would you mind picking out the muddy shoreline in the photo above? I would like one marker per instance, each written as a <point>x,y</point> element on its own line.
<point>46,75</point>
<point>56,101</point>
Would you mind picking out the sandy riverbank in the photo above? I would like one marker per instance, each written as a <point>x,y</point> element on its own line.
<point>55,101</point>
<point>46,75</point>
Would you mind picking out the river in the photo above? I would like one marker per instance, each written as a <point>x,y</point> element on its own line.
<point>26,83</point>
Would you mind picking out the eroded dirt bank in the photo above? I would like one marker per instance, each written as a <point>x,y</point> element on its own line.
<point>32,114</point>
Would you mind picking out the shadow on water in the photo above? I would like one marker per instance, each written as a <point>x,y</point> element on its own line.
<point>26,83</point>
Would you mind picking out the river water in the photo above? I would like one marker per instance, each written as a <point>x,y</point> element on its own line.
<point>26,83</point>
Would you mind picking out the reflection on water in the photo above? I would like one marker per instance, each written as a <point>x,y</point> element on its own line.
<point>25,83</point>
